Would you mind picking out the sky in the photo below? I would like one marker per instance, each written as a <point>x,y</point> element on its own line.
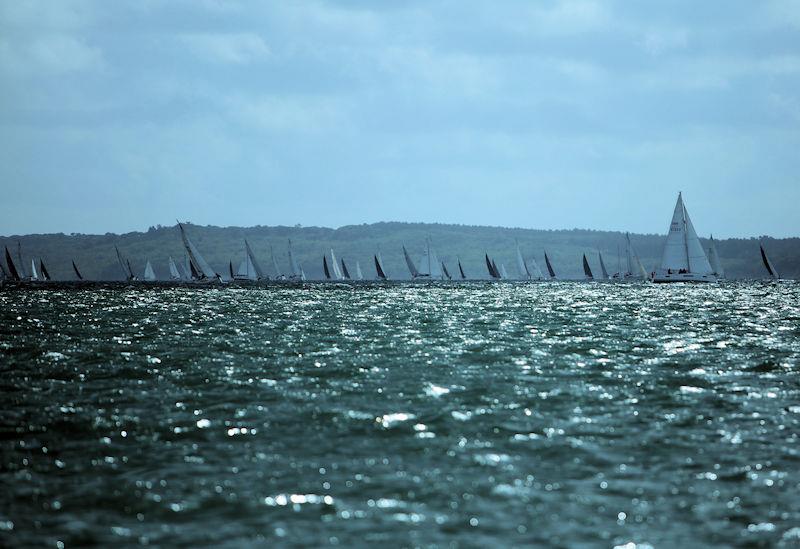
<point>115,116</point>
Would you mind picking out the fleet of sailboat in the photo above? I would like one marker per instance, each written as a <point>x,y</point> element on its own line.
<point>683,259</point>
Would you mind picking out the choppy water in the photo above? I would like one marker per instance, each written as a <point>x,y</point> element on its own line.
<point>553,414</point>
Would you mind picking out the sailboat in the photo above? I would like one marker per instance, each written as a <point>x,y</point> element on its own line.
<point>293,266</point>
<point>21,264</point>
<point>410,264</point>
<point>125,266</point>
<point>278,275</point>
<point>491,267</point>
<point>445,273</point>
<point>43,270</point>
<point>12,269</point>
<point>429,265</point>
<point>247,268</point>
<point>503,272</point>
<point>201,270</point>
<point>174,274</point>
<point>773,272</point>
<point>325,267</point>
<point>34,273</point>
<point>713,258</point>
<point>302,273</point>
<point>461,269</point>
<point>683,259</point>
<point>380,272</point>
<point>587,272</point>
<point>77,272</point>
<point>337,272</point>
<point>522,267</point>
<point>635,268</point>
<point>345,272</point>
<point>549,265</point>
<point>359,274</point>
<point>230,270</point>
<point>149,274</point>
<point>603,266</point>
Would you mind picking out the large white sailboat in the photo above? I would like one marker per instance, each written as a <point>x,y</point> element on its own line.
<point>200,269</point>
<point>683,259</point>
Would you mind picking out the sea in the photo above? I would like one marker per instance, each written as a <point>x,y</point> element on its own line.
<point>560,414</point>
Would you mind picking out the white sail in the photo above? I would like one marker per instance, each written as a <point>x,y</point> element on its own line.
<point>259,272</point>
<point>302,273</point>
<point>22,274</point>
<point>149,275</point>
<point>293,262</point>
<point>337,271</point>
<point>503,272</point>
<point>34,273</point>
<point>675,255</point>
<point>521,266</point>
<point>603,266</point>
<point>359,274</point>
<point>278,275</point>
<point>435,265</point>
<point>698,262</point>
<point>174,274</point>
<point>194,256</point>
<point>246,270</point>
<point>713,258</point>
<point>409,263</point>
<point>534,269</point>
<point>635,267</point>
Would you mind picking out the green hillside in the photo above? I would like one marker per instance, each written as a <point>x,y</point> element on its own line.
<point>95,253</point>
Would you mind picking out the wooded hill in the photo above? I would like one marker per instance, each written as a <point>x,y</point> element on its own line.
<point>96,258</point>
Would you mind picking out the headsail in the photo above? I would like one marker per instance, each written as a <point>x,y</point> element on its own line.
<point>496,270</point>
<point>461,269</point>
<point>503,272</point>
<point>379,268</point>
<point>125,267</point>
<point>45,274</point>
<point>522,267</point>
<point>635,267</point>
<point>293,263</point>
<point>445,273</point>
<point>345,272</point>
<point>537,272</point>
<point>491,267</point>
<point>410,263</point>
<point>586,270</point>
<point>230,269</point>
<point>337,272</point>
<point>713,258</point>
<point>195,259</point>
<point>34,273</point>
<point>77,272</point>
<point>359,274</point>
<point>602,266</point>
<point>21,264</point>
<point>174,274</point>
<point>550,270</point>
<point>302,273</point>
<point>149,275</point>
<point>12,269</point>
<point>259,272</point>
<point>275,264</point>
<point>325,267</point>
<point>767,263</point>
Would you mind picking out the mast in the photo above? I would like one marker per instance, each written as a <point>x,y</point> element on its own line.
<point>77,272</point>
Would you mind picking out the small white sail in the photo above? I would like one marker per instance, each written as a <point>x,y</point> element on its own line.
<point>409,263</point>
<point>246,270</point>
<point>521,266</point>
<point>302,273</point>
<point>337,271</point>
<point>698,262</point>
<point>603,266</point>
<point>34,273</point>
<point>278,275</point>
<point>359,274</point>
<point>259,272</point>
<point>293,263</point>
<point>503,272</point>
<point>436,265</point>
<point>195,258</point>
<point>149,274</point>
<point>174,274</point>
<point>713,258</point>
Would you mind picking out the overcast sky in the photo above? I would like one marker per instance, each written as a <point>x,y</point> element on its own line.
<point>119,115</point>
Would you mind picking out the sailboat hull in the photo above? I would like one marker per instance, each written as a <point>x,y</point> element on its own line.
<point>662,278</point>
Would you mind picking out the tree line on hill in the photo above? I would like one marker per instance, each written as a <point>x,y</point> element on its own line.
<point>220,245</point>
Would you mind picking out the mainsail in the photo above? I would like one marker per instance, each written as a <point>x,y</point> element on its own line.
<point>603,266</point>
<point>586,270</point>
<point>45,274</point>
<point>635,267</point>
<point>429,265</point>
<point>325,267</point>
<point>379,268</point>
<point>503,272</point>
<point>550,270</point>
<point>174,274</point>
<point>345,272</point>
<point>767,263</point>
<point>12,269</point>
<point>246,271</point>
<point>149,275</point>
<point>359,274</point>
<point>335,266</point>
<point>461,269</point>
<point>275,264</point>
<point>125,267</point>
<point>259,272</point>
<point>34,274</point>
<point>522,267</point>
<point>77,272</point>
<point>713,258</point>
<point>410,263</point>
<point>682,250</point>
<point>195,259</point>
<point>445,273</point>
<point>492,267</point>
<point>293,263</point>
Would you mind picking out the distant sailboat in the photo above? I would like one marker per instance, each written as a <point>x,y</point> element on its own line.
<point>247,269</point>
<point>522,267</point>
<point>429,265</point>
<point>587,272</point>
<point>149,274</point>
<point>293,266</point>
<point>12,269</point>
<point>43,269</point>
<point>359,274</point>
<point>23,275</point>
<point>325,267</point>
<point>603,266</point>
<point>381,274</point>
<point>683,259</point>
<point>77,272</point>
<point>461,269</point>
<point>445,274</point>
<point>713,258</point>
<point>549,265</point>
<point>174,274</point>
<point>337,272</point>
<point>773,272</point>
<point>491,267</point>
<point>34,273</point>
<point>125,266</point>
<point>410,264</point>
<point>503,272</point>
<point>345,272</point>
<point>278,275</point>
<point>635,268</point>
<point>230,270</point>
<point>199,265</point>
